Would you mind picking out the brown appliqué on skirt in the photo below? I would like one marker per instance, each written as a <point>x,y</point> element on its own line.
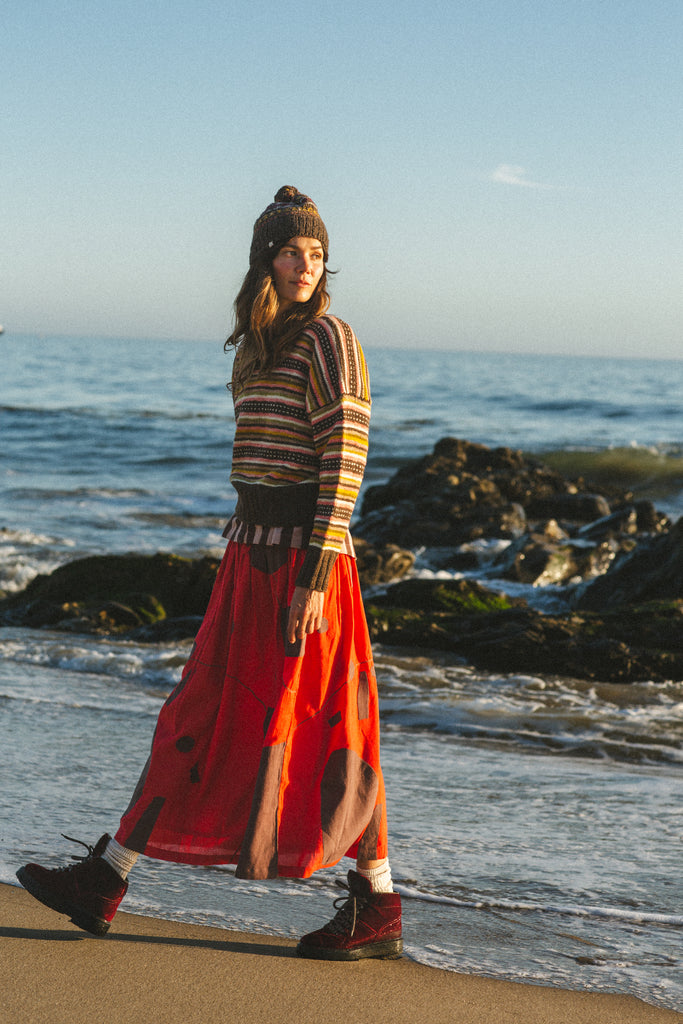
<point>258,858</point>
<point>347,799</point>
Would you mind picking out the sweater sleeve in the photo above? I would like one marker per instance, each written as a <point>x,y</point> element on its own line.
<point>338,407</point>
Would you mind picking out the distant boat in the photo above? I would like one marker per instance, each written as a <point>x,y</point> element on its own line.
<point>2,329</point>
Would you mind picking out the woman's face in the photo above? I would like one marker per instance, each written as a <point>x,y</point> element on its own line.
<point>297,268</point>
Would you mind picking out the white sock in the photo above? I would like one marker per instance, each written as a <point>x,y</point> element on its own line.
<point>120,858</point>
<point>379,877</point>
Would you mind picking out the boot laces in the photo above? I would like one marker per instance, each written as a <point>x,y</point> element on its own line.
<point>348,908</point>
<point>75,856</point>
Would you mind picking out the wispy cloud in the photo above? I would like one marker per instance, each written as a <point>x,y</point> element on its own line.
<point>512,174</point>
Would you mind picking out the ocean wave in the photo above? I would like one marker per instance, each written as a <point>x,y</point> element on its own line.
<point>109,411</point>
<point>147,665</point>
<point>9,536</point>
<point>25,554</point>
<point>542,734</point>
<point>639,723</point>
<point>48,493</point>
<point>646,470</point>
<point>578,405</point>
<point>183,520</point>
<point>635,917</point>
<point>427,694</point>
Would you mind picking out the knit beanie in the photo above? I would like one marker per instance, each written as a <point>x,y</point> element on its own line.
<point>292,214</point>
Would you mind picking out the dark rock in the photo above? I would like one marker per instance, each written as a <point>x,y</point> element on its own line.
<point>532,559</point>
<point>649,519</point>
<point>624,520</point>
<point>445,595</point>
<point>497,634</point>
<point>464,491</point>
<point>580,508</point>
<point>652,571</point>
<point>460,559</point>
<point>111,593</point>
<point>435,523</point>
<point>632,519</point>
<point>381,564</point>
<point>553,532</point>
<point>601,556</point>
<point>167,630</point>
<point>116,614</point>
<point>535,560</point>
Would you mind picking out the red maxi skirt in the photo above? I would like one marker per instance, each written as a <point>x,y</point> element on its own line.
<point>266,754</point>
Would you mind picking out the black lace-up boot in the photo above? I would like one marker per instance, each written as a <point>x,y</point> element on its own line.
<point>367,924</point>
<point>89,892</point>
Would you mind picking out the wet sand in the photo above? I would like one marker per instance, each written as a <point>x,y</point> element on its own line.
<point>148,970</point>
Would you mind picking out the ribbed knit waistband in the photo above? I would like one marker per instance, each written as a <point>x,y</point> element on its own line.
<point>289,505</point>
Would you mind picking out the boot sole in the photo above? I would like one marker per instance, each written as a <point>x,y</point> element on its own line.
<point>392,949</point>
<point>77,915</point>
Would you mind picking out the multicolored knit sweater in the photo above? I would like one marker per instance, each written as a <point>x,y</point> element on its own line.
<point>301,443</point>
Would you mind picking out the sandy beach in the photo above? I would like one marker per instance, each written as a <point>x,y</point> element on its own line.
<point>149,970</point>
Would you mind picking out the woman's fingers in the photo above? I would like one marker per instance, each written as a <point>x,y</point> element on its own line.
<point>305,613</point>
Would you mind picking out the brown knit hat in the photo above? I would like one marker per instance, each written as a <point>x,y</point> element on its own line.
<point>292,214</point>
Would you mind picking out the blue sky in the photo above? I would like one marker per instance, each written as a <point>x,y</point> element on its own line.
<point>494,174</point>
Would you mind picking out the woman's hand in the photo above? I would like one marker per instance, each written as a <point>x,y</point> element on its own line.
<point>305,613</point>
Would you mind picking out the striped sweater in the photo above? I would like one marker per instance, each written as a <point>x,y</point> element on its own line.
<point>301,442</point>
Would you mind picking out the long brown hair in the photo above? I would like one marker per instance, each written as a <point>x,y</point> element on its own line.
<point>263,332</point>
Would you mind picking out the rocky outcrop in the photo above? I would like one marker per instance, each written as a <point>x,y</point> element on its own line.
<point>465,491</point>
<point>116,594</point>
<point>492,513</point>
<point>462,494</point>
<point>618,562</point>
<point>502,635</point>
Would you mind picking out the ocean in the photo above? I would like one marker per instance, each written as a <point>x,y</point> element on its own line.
<point>535,822</point>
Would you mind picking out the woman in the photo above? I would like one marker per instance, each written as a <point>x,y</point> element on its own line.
<point>266,754</point>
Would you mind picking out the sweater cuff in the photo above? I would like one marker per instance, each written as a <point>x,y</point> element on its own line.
<point>315,572</point>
